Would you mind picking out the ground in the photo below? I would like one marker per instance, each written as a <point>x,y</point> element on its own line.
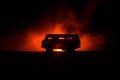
<point>42,61</point>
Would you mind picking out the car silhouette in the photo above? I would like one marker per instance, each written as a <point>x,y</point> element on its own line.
<point>61,42</point>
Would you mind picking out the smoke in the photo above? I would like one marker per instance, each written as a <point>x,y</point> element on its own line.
<point>64,22</point>
<point>89,41</point>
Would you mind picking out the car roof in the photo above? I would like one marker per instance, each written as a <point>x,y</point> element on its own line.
<point>62,35</point>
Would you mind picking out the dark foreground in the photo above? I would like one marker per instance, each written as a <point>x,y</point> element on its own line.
<point>54,62</point>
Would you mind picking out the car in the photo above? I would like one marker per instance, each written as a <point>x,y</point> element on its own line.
<point>61,42</point>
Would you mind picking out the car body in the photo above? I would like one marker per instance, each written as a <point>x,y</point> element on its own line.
<point>61,42</point>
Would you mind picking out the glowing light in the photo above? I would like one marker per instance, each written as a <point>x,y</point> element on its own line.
<point>61,38</point>
<point>70,38</point>
<point>58,50</point>
<point>49,37</point>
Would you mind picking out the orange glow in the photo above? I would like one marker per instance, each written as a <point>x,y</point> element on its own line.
<point>58,50</point>
<point>88,41</point>
<point>61,38</point>
<point>49,38</point>
<point>60,25</point>
<point>63,22</point>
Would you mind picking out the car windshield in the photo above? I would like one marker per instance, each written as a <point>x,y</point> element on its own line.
<point>62,36</point>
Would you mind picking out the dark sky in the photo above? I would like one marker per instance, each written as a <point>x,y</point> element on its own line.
<point>18,16</point>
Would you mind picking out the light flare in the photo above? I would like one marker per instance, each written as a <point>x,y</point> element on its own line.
<point>58,50</point>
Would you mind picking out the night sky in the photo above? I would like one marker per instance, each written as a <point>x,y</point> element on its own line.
<point>18,17</point>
